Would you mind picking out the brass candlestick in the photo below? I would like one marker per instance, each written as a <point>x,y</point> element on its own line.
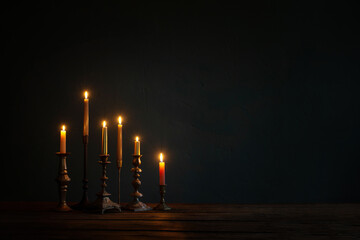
<point>162,205</point>
<point>83,204</point>
<point>103,201</point>
<point>136,205</point>
<point>63,180</point>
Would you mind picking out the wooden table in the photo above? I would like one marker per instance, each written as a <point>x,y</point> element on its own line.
<point>37,220</point>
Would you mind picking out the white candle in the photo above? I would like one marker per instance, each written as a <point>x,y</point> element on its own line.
<point>63,140</point>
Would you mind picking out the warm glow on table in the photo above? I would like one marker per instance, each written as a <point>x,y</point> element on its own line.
<point>63,140</point>
<point>162,170</point>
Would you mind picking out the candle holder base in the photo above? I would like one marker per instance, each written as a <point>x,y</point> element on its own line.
<point>103,202</point>
<point>137,207</point>
<point>162,205</point>
<point>63,207</point>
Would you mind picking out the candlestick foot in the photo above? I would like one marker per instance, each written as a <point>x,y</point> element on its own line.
<point>137,207</point>
<point>162,207</point>
<point>103,204</point>
<point>63,207</point>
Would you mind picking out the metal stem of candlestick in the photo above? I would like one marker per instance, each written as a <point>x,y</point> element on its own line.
<point>103,201</point>
<point>83,204</point>
<point>63,180</point>
<point>136,205</point>
<point>119,166</point>
<point>162,205</point>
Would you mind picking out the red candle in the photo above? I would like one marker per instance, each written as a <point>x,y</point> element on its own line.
<point>162,170</point>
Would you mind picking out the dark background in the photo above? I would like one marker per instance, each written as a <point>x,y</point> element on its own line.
<point>250,103</point>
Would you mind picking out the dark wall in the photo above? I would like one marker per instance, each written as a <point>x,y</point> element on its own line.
<point>249,103</point>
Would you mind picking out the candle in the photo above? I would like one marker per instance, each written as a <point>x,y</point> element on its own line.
<point>162,170</point>
<point>104,139</point>
<point>119,145</point>
<point>137,146</point>
<point>86,115</point>
<point>63,140</point>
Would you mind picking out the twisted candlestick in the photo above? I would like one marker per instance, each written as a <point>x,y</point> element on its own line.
<point>103,201</point>
<point>83,204</point>
<point>136,205</point>
<point>63,180</point>
<point>162,205</point>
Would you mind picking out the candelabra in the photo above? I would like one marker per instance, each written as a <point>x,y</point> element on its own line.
<point>136,205</point>
<point>103,201</point>
<point>63,180</point>
<point>162,205</point>
<point>84,203</point>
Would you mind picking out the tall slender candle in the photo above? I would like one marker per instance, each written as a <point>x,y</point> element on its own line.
<point>162,170</point>
<point>63,140</point>
<point>104,139</point>
<point>137,146</point>
<point>86,115</point>
<point>119,144</point>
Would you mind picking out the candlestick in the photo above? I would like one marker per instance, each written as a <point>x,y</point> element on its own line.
<point>119,155</point>
<point>83,204</point>
<point>63,180</point>
<point>85,199</point>
<point>104,139</point>
<point>103,201</point>
<point>63,140</point>
<point>136,205</point>
<point>162,205</point>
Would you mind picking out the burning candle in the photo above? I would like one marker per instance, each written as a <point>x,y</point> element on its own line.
<point>86,115</point>
<point>162,170</point>
<point>137,146</point>
<point>119,145</point>
<point>63,140</point>
<point>104,139</point>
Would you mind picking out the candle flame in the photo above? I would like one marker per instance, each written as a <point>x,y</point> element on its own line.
<point>86,94</point>
<point>63,127</point>
<point>104,123</point>
<point>119,120</point>
<point>137,139</point>
<point>161,157</point>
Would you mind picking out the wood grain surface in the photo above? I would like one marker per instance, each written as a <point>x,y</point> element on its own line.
<point>38,220</point>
